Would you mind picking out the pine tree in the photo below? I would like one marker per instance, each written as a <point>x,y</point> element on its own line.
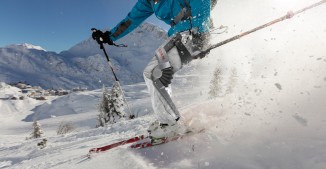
<point>216,83</point>
<point>104,108</point>
<point>117,108</point>
<point>112,106</point>
<point>37,130</point>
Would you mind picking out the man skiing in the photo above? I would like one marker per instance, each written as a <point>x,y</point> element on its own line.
<point>188,36</point>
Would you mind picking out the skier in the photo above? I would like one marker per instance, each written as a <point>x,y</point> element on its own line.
<point>188,36</point>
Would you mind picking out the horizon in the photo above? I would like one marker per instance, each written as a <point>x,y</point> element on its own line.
<point>48,24</point>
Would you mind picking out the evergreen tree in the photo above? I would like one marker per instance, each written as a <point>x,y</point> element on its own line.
<point>37,130</point>
<point>117,103</point>
<point>112,106</point>
<point>104,108</point>
<point>216,83</point>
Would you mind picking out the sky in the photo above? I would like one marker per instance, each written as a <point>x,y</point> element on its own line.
<point>57,25</point>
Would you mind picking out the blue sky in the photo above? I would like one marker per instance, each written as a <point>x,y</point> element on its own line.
<point>57,25</point>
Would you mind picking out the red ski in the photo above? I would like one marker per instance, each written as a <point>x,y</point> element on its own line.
<point>143,144</point>
<point>110,146</point>
<point>165,140</point>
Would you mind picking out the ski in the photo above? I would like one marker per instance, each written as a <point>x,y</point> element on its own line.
<point>143,144</point>
<point>165,140</point>
<point>117,144</point>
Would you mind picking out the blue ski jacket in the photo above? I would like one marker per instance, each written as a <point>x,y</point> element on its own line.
<point>167,11</point>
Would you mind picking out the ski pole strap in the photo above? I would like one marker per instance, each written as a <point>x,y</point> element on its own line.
<point>289,15</point>
<point>120,45</point>
<point>222,29</point>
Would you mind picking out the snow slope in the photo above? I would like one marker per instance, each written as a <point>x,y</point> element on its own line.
<point>274,118</point>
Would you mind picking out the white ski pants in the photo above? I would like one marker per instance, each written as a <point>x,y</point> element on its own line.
<point>192,45</point>
<point>161,107</point>
<point>162,103</point>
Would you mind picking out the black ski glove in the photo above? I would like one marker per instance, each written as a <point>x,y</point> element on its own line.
<point>101,37</point>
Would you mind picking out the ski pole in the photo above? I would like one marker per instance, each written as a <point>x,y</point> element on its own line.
<point>109,62</point>
<point>289,15</point>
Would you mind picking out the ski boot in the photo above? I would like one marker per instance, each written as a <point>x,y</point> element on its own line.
<point>160,132</point>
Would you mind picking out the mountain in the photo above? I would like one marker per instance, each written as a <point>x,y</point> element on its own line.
<point>84,64</point>
<point>27,46</point>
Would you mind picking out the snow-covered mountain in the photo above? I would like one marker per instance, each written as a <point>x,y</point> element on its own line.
<point>26,46</point>
<point>84,65</point>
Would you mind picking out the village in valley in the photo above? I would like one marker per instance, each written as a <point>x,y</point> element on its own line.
<point>37,92</point>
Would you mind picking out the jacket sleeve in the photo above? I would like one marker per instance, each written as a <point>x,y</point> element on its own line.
<point>141,11</point>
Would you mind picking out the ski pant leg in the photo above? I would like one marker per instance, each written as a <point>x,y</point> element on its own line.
<point>162,104</point>
<point>177,51</point>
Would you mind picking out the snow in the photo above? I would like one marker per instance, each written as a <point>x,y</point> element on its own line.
<point>27,46</point>
<point>274,118</point>
<point>30,46</point>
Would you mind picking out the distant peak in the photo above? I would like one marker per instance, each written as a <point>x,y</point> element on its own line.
<point>30,46</point>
